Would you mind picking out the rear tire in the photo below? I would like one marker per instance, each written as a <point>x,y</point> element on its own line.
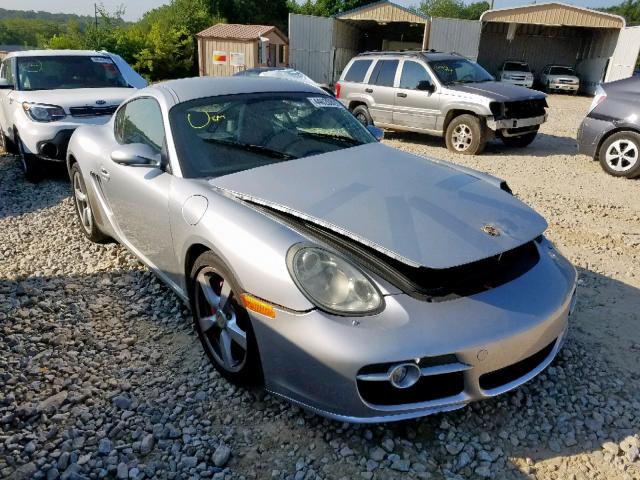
<point>361,112</point>
<point>31,166</point>
<point>520,141</point>
<point>466,135</point>
<point>619,154</point>
<point>83,208</point>
<point>222,323</point>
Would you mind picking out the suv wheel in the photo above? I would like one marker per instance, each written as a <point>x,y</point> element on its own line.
<point>620,155</point>
<point>30,164</point>
<point>520,141</point>
<point>361,112</point>
<point>465,134</point>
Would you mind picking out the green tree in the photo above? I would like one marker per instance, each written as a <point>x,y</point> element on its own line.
<point>326,8</point>
<point>629,9</point>
<point>453,9</point>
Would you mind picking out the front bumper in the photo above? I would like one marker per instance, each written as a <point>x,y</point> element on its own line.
<point>509,123</point>
<point>564,87</point>
<point>494,341</point>
<point>519,83</point>
<point>35,135</point>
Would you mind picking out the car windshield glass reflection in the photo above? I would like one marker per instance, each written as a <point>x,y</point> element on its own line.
<point>459,70</point>
<point>74,71</point>
<point>221,135</point>
<point>561,71</point>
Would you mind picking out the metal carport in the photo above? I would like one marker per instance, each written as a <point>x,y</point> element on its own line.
<point>546,33</point>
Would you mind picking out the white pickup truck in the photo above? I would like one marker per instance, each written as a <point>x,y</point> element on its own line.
<point>46,94</point>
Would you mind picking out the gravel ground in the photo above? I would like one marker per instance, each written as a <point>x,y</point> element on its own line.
<point>103,376</point>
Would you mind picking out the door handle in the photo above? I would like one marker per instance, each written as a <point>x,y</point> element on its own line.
<point>368,90</point>
<point>104,173</point>
<point>402,95</point>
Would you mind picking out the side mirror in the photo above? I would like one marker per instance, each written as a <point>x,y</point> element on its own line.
<point>136,155</point>
<point>5,85</point>
<point>376,132</point>
<point>426,86</point>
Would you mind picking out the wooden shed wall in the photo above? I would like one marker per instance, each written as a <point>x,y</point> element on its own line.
<point>206,47</point>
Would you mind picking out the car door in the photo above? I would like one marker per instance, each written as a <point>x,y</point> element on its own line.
<point>381,88</point>
<point>417,104</point>
<point>6,73</point>
<point>138,196</point>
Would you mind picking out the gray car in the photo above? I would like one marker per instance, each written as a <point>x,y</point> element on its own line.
<point>610,132</point>
<point>358,281</point>
<point>440,94</point>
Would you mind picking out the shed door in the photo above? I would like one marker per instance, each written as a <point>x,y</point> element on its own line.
<point>310,48</point>
<point>625,55</point>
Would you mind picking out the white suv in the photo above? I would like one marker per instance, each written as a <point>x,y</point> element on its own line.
<point>516,73</point>
<point>46,94</point>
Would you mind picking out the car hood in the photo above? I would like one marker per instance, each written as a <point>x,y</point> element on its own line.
<point>500,91</point>
<point>418,211</point>
<point>78,97</point>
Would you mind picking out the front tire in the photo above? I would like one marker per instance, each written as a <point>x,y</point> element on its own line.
<point>620,155</point>
<point>466,135</point>
<point>520,141</point>
<point>361,112</point>
<point>83,207</point>
<point>223,325</point>
<point>31,166</point>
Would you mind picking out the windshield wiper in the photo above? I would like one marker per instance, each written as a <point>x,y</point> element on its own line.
<point>249,147</point>
<point>328,136</point>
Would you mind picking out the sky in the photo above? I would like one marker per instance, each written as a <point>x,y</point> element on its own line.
<point>135,8</point>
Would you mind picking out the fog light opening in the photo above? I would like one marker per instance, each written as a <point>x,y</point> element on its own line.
<point>404,375</point>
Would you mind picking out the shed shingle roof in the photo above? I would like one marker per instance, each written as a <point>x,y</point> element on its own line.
<point>237,31</point>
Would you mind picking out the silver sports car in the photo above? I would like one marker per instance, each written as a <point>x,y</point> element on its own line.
<point>358,281</point>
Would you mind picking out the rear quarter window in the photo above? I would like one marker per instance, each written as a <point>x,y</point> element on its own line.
<point>357,71</point>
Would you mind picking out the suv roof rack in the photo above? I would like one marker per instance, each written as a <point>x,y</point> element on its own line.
<point>398,52</point>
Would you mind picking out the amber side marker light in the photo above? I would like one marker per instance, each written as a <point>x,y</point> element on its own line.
<point>258,306</point>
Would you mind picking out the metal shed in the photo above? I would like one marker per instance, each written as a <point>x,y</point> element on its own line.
<point>597,44</point>
<point>223,49</point>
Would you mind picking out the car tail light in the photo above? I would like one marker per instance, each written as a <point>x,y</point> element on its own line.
<point>338,90</point>
<point>599,97</point>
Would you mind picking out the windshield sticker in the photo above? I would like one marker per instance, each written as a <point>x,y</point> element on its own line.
<point>324,102</point>
<point>33,66</point>
<point>198,120</point>
<point>101,60</point>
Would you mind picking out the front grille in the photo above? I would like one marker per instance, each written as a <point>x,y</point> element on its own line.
<point>524,108</point>
<point>565,80</point>
<point>92,111</point>
<point>513,372</point>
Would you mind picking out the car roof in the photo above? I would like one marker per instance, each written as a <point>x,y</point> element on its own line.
<point>186,89</point>
<point>57,53</point>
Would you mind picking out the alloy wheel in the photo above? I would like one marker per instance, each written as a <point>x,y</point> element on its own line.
<point>361,117</point>
<point>225,339</point>
<point>622,155</point>
<point>82,203</point>
<point>462,137</point>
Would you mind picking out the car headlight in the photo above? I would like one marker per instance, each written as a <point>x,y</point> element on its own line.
<point>332,283</point>
<point>43,113</point>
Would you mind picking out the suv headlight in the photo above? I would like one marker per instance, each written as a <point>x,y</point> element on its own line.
<point>43,113</point>
<point>332,283</point>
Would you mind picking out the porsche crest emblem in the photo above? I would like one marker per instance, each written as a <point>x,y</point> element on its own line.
<point>490,230</point>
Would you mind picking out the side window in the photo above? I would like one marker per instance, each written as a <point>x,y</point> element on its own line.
<point>384,73</point>
<point>414,76</point>
<point>357,71</point>
<point>6,71</point>
<point>140,121</point>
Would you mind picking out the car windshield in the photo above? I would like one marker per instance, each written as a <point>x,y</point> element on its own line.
<point>515,67</point>
<point>459,70</point>
<point>218,136</point>
<point>65,72</point>
<point>561,71</point>
<point>289,74</point>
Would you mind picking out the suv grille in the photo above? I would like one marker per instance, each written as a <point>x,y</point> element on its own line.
<point>92,111</point>
<point>524,108</point>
